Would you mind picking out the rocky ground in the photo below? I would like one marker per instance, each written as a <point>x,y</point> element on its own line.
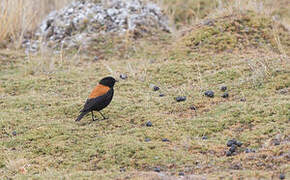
<point>78,24</point>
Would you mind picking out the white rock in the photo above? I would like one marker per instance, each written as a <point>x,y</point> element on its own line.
<point>116,15</point>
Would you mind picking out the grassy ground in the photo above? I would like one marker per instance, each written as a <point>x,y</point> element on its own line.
<point>40,107</point>
<point>41,96</point>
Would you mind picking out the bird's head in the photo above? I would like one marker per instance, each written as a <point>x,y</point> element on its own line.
<point>108,81</point>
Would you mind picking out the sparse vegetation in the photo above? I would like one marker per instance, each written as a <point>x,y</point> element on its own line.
<point>246,30</point>
<point>41,95</point>
<point>20,17</point>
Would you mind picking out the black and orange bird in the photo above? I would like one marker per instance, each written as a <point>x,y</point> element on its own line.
<point>99,98</point>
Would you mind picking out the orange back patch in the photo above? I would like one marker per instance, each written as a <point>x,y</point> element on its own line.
<point>99,90</point>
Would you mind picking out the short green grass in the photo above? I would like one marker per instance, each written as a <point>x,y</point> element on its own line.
<point>246,30</point>
<point>41,96</point>
<point>40,106</point>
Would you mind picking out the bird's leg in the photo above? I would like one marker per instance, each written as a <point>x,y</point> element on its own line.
<point>102,115</point>
<point>93,116</point>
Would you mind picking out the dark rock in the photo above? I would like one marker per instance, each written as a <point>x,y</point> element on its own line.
<point>232,148</point>
<point>181,174</point>
<point>165,140</point>
<point>228,153</point>
<point>193,107</point>
<point>149,124</point>
<point>157,169</point>
<point>96,58</point>
<point>239,143</point>
<point>236,166</point>
<point>155,88</point>
<point>180,98</point>
<point>225,95</point>
<point>147,139</point>
<point>230,143</point>
<point>282,176</point>
<point>14,133</point>
<point>243,99</point>
<point>249,150</point>
<point>122,169</point>
<point>283,91</point>
<point>123,76</point>
<point>161,95</point>
<point>224,88</point>
<point>234,153</point>
<point>204,138</point>
<point>276,142</point>
<point>209,93</point>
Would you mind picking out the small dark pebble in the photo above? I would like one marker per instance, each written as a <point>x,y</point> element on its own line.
<point>224,88</point>
<point>96,58</point>
<point>155,88</point>
<point>147,139</point>
<point>122,170</point>
<point>193,107</point>
<point>161,95</point>
<point>239,143</point>
<point>14,133</point>
<point>209,93</point>
<point>232,148</point>
<point>204,138</point>
<point>249,150</point>
<point>228,153</point>
<point>180,98</point>
<point>282,176</point>
<point>231,142</point>
<point>157,169</point>
<point>234,141</point>
<point>236,166</point>
<point>276,142</point>
<point>181,174</point>
<point>149,124</point>
<point>243,99</point>
<point>165,140</point>
<point>225,95</point>
<point>283,91</point>
<point>123,76</point>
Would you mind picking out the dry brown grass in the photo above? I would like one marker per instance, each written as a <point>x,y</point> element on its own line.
<point>18,17</point>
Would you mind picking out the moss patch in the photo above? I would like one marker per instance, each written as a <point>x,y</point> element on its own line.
<point>237,32</point>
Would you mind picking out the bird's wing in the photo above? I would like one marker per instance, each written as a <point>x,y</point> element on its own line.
<point>92,102</point>
<point>99,90</point>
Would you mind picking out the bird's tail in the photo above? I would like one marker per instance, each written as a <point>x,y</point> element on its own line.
<point>81,115</point>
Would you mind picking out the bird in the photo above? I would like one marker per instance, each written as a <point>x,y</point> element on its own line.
<point>100,97</point>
